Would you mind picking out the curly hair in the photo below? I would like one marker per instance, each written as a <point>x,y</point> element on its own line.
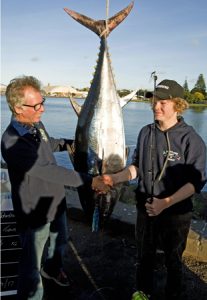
<point>180,105</point>
<point>16,87</point>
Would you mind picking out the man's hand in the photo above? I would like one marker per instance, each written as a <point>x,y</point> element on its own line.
<point>108,179</point>
<point>99,185</point>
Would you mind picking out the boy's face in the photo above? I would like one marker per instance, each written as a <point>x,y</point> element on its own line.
<point>164,110</point>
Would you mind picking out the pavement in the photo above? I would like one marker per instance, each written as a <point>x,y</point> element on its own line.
<point>125,214</point>
<point>102,264</point>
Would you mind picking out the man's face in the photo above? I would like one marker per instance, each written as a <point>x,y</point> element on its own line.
<point>27,113</point>
<point>164,110</point>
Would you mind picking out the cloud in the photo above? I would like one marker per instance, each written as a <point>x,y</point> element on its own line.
<point>195,42</point>
<point>34,59</point>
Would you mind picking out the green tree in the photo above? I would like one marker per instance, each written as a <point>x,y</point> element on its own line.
<point>141,92</point>
<point>198,97</point>
<point>123,92</point>
<point>200,85</point>
<point>188,96</point>
<point>185,86</point>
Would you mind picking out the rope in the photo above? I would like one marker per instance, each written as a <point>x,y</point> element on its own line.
<point>107,14</point>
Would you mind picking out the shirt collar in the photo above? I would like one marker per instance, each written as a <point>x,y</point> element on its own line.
<point>21,128</point>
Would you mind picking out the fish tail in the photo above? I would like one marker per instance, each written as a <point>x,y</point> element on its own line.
<point>99,26</point>
<point>95,222</point>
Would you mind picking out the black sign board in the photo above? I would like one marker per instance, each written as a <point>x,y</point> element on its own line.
<point>10,244</point>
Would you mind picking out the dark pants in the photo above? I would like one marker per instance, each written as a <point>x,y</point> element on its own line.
<point>172,232</point>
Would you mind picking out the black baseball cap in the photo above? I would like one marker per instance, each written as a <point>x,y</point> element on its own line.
<point>167,89</point>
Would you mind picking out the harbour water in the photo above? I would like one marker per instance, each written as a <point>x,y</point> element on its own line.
<point>60,121</point>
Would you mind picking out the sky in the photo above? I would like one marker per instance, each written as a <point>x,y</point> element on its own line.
<point>170,37</point>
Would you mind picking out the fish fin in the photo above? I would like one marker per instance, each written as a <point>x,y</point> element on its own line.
<point>99,26</point>
<point>95,221</point>
<point>127,149</point>
<point>77,107</point>
<point>124,100</point>
<point>71,151</point>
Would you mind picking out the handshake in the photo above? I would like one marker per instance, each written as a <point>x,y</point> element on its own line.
<point>102,184</point>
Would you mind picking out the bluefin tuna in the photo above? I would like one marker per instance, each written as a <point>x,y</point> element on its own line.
<point>99,145</point>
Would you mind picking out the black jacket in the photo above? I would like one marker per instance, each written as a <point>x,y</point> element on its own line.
<point>185,153</point>
<point>37,182</point>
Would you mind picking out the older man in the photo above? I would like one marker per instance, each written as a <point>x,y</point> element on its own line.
<point>37,184</point>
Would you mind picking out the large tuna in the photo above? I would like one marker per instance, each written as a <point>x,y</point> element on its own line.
<point>100,139</point>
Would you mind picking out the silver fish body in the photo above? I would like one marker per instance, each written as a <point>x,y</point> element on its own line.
<point>100,130</point>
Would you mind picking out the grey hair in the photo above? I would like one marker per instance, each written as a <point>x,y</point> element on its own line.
<point>16,87</point>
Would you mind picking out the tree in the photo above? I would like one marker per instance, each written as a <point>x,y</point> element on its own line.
<point>200,85</point>
<point>123,92</point>
<point>188,96</point>
<point>198,97</point>
<point>141,92</point>
<point>185,86</point>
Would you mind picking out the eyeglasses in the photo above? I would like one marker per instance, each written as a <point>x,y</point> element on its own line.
<point>36,106</point>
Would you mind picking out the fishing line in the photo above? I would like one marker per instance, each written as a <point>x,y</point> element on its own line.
<point>152,139</point>
<point>85,269</point>
<point>166,160</point>
<point>107,14</point>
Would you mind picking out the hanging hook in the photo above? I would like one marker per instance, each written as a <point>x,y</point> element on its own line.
<point>107,16</point>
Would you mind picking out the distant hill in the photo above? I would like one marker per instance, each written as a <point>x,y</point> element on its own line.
<point>2,89</point>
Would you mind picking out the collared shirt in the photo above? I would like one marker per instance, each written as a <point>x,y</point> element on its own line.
<point>22,128</point>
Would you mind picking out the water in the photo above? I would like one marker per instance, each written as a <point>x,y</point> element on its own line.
<point>60,121</point>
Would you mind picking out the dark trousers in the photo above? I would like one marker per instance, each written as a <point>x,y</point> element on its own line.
<point>171,231</point>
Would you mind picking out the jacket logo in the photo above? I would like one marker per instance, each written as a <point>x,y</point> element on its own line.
<point>173,156</point>
<point>43,135</point>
